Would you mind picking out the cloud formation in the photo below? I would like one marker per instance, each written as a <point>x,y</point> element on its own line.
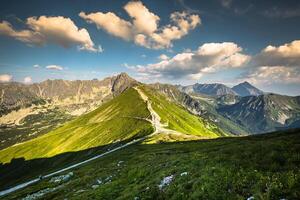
<point>143,29</point>
<point>286,55</point>
<point>5,78</point>
<point>54,67</point>
<point>27,80</point>
<point>50,30</point>
<point>276,65</point>
<point>163,57</point>
<point>267,75</point>
<point>209,58</point>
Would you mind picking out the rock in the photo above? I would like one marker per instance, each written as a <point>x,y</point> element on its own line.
<point>183,174</point>
<point>95,186</point>
<point>119,163</point>
<point>40,193</point>
<point>99,181</point>
<point>80,191</point>
<point>166,181</point>
<point>61,178</point>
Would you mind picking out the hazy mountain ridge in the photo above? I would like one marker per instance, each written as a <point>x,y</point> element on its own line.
<point>208,89</point>
<point>218,89</point>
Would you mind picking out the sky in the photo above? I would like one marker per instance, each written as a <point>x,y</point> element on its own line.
<point>172,41</point>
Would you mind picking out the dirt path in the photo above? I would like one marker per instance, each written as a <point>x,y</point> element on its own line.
<point>156,120</point>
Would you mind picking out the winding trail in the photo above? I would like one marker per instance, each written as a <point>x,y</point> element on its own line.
<point>156,120</point>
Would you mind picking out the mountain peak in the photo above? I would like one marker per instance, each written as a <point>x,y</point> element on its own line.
<point>121,82</point>
<point>246,83</point>
<point>246,89</point>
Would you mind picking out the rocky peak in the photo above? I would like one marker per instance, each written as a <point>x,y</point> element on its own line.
<point>122,82</point>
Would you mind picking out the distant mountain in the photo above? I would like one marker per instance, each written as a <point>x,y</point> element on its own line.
<point>14,96</point>
<point>29,111</point>
<point>246,89</point>
<point>214,89</point>
<point>264,113</point>
<point>85,94</point>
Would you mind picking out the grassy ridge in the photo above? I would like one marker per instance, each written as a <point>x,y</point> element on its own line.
<point>111,122</point>
<point>178,118</point>
<point>264,166</point>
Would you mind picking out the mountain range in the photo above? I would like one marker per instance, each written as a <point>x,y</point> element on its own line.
<point>217,89</point>
<point>174,131</point>
<point>40,107</point>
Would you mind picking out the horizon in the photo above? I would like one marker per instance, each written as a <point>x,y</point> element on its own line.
<point>101,79</point>
<point>184,42</point>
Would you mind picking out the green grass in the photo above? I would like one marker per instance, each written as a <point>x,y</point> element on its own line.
<point>178,118</point>
<point>112,122</point>
<point>264,166</point>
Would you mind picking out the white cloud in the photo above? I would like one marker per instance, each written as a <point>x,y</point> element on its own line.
<point>36,66</point>
<point>267,75</point>
<point>5,78</point>
<point>57,30</point>
<point>54,67</point>
<point>209,58</point>
<point>287,55</point>
<point>143,29</point>
<point>273,64</point>
<point>110,22</point>
<point>144,21</point>
<point>163,57</point>
<point>27,80</point>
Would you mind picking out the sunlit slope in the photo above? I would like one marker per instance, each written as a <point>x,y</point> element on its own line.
<point>178,118</point>
<point>118,119</point>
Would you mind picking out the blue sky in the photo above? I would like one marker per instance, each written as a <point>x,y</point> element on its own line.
<point>236,33</point>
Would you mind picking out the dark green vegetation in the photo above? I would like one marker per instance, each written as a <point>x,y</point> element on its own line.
<point>32,126</point>
<point>117,120</point>
<point>264,166</point>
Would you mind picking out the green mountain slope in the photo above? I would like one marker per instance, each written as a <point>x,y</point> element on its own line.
<point>200,107</point>
<point>178,118</point>
<point>120,119</point>
<point>261,167</point>
<point>114,121</point>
